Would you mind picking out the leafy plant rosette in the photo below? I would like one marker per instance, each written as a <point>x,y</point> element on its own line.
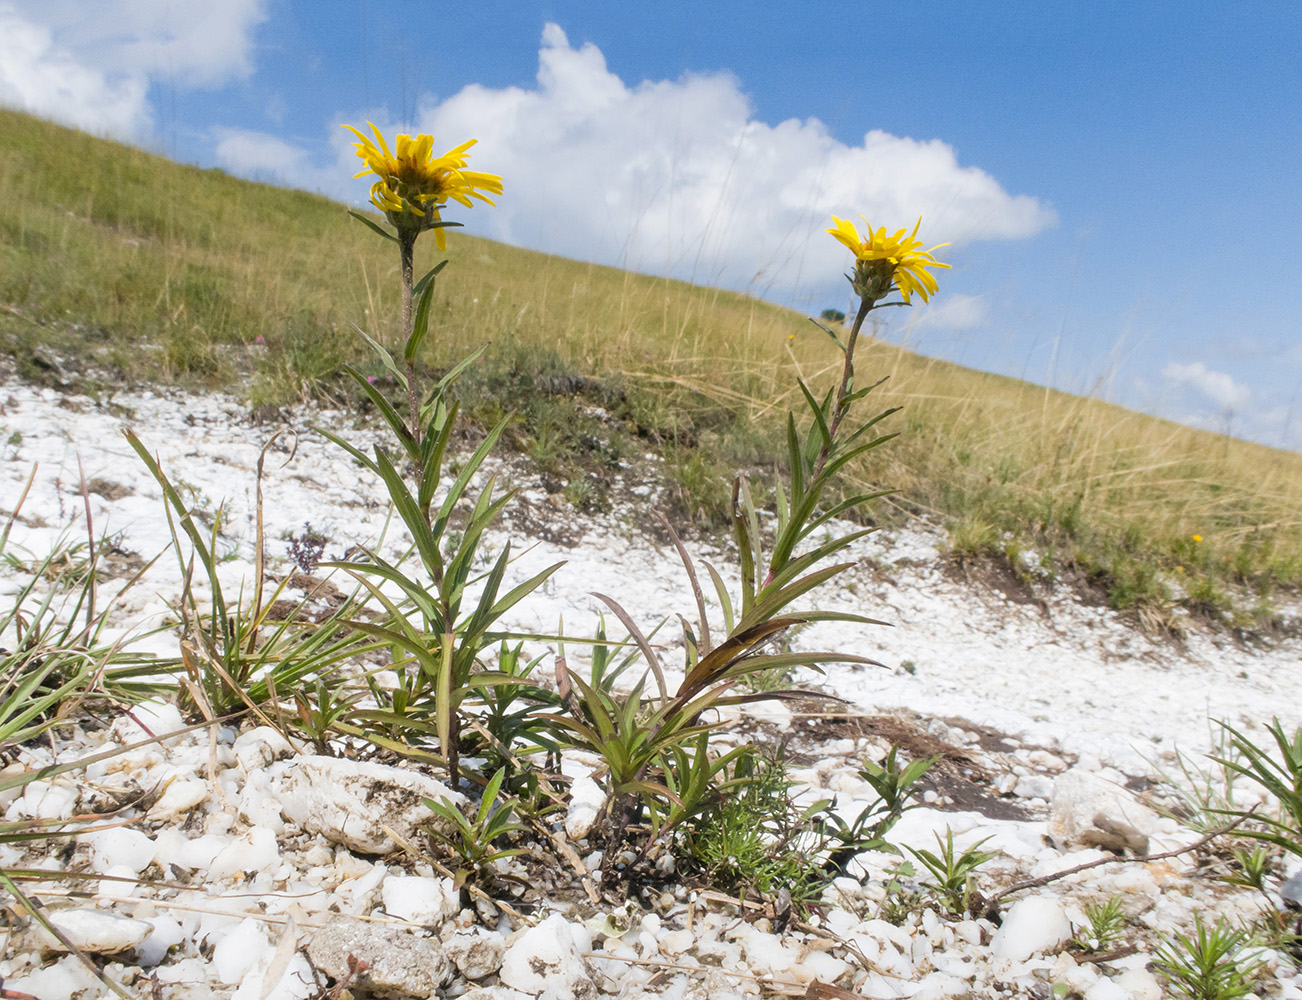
<point>651,739</point>
<point>436,620</point>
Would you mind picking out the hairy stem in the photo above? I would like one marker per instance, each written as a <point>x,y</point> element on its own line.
<point>843,390</point>
<point>407,243</point>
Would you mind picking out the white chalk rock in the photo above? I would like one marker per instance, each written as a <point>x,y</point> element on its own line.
<point>120,847</point>
<point>100,932</point>
<point>351,802</point>
<point>1033,926</point>
<point>166,934</point>
<point>586,801</point>
<point>1106,989</point>
<point>1140,984</point>
<point>155,719</point>
<point>276,977</point>
<point>259,747</point>
<point>419,899</point>
<point>66,979</point>
<point>43,800</point>
<point>239,951</point>
<point>1090,811</point>
<point>256,851</point>
<point>399,962</point>
<point>179,797</point>
<point>548,957</point>
<point>476,953</point>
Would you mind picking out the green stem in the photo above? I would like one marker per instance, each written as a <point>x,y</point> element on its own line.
<point>407,243</point>
<point>843,390</point>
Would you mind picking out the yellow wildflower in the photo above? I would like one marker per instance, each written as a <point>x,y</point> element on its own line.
<point>1197,538</point>
<point>414,185</point>
<point>882,261</point>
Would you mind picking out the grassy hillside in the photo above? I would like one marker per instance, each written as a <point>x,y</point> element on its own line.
<point>119,268</point>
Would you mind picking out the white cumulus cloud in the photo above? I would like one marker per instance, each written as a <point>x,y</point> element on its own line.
<point>1218,387</point>
<point>676,177</point>
<point>91,65</point>
<point>953,312</point>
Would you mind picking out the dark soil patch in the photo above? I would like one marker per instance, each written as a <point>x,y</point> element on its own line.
<point>108,489</point>
<point>986,573</point>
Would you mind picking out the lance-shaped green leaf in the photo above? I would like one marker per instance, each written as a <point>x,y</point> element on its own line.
<point>432,448</point>
<point>385,357</point>
<point>358,455</point>
<point>835,466</point>
<point>420,322</point>
<point>374,227</point>
<point>428,277</point>
<point>412,516</point>
<point>201,547</point>
<point>377,566</point>
<point>458,487</point>
<point>459,566</point>
<point>648,652</point>
<point>713,667</point>
<point>390,415</point>
<point>820,417</point>
<point>725,601</point>
<point>772,601</point>
<point>836,510</point>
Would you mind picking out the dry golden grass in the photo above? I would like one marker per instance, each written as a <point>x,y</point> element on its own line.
<point>106,249</point>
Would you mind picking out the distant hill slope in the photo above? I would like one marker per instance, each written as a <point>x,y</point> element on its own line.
<point>121,267</point>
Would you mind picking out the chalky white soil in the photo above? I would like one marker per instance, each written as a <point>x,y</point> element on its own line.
<point>1032,690</point>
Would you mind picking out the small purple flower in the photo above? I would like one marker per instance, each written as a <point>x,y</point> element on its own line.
<point>258,339</point>
<point>372,379</point>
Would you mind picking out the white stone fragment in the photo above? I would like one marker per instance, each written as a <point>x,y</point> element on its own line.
<point>291,975</point>
<point>178,797</point>
<point>166,934</point>
<point>256,851</point>
<point>476,953</point>
<point>399,963</point>
<point>1033,786</point>
<point>239,951</point>
<point>1033,926</point>
<point>148,719</point>
<point>66,979</point>
<point>122,847</point>
<point>586,801</point>
<point>1088,810</point>
<point>43,800</point>
<point>547,957</point>
<point>419,899</point>
<point>1140,984</point>
<point>351,802</point>
<point>259,747</point>
<point>1107,989</point>
<point>100,932</point>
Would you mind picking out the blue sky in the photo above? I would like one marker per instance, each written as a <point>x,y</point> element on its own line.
<point>1119,181</point>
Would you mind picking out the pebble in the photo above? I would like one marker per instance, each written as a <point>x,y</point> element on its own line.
<point>351,802</point>
<point>419,899</point>
<point>548,957</point>
<point>100,932</point>
<point>400,962</point>
<point>1032,926</point>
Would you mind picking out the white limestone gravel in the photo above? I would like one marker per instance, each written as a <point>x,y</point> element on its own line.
<point>1069,685</point>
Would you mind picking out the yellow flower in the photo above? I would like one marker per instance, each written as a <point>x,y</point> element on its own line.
<point>414,185</point>
<point>1197,538</point>
<point>882,261</point>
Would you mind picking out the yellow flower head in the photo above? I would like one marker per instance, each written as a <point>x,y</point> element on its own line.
<point>1197,538</point>
<point>414,185</point>
<point>883,261</point>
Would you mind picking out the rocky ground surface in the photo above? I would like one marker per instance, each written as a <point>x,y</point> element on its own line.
<point>241,865</point>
